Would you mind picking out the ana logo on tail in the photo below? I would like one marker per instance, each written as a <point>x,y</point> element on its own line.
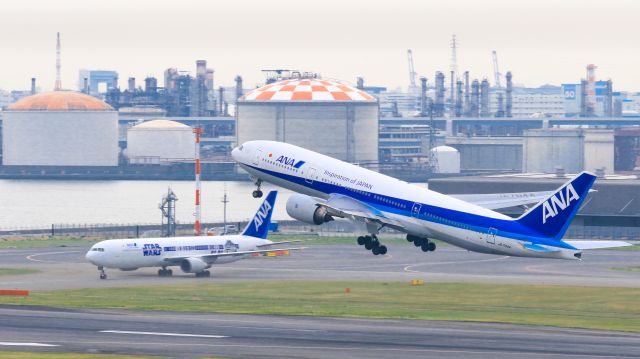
<point>558,202</point>
<point>261,215</point>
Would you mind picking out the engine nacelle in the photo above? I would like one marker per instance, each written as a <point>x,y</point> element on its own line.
<point>306,209</point>
<point>193,265</point>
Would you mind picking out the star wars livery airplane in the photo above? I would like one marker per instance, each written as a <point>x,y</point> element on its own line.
<point>192,254</point>
<point>329,188</point>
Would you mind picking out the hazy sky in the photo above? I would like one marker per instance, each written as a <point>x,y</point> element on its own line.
<point>540,41</point>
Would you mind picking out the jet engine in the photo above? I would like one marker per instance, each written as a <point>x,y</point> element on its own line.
<point>193,265</point>
<point>306,209</point>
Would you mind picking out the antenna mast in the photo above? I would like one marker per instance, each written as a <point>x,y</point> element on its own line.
<point>58,85</point>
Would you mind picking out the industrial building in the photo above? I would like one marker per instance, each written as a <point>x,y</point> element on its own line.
<point>160,141</point>
<point>60,128</point>
<point>574,150</point>
<point>97,82</point>
<point>327,116</point>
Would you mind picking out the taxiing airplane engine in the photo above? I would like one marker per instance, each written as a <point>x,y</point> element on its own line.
<point>306,209</point>
<point>193,265</point>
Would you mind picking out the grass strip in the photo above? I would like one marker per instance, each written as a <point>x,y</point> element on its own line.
<point>17,271</point>
<point>562,306</point>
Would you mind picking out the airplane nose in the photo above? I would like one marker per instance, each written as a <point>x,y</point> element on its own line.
<point>235,154</point>
<point>90,256</point>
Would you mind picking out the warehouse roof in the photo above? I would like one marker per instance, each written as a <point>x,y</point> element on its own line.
<point>60,101</point>
<point>308,90</point>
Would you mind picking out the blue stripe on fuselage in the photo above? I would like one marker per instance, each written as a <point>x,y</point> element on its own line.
<point>429,213</point>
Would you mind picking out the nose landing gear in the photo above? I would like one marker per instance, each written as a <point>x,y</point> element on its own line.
<point>372,244</point>
<point>103,274</point>
<point>257,193</point>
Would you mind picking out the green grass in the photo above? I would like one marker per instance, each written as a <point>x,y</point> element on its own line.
<point>30,355</point>
<point>635,247</point>
<point>17,271</point>
<point>563,306</point>
<point>628,269</point>
<point>38,242</point>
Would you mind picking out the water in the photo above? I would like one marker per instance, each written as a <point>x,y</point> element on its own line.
<point>37,203</point>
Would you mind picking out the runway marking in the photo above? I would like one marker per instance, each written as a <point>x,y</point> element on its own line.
<point>165,334</point>
<point>12,344</point>
<point>32,257</point>
<point>408,268</point>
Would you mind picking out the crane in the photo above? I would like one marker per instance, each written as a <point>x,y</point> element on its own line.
<point>496,70</point>
<point>412,73</point>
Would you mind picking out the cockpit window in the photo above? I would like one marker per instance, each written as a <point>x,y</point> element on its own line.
<point>240,148</point>
<point>97,249</point>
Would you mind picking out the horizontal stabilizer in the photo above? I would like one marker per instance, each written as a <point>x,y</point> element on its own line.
<point>538,248</point>
<point>598,244</point>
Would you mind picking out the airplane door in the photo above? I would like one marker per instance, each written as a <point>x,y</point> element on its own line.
<point>491,235</point>
<point>311,175</point>
<point>257,157</point>
<point>415,210</point>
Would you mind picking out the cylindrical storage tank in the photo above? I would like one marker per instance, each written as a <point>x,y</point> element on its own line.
<point>447,159</point>
<point>321,115</point>
<point>159,141</point>
<point>60,128</point>
<point>545,150</point>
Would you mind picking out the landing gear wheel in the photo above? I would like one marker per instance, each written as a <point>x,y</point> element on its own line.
<point>382,249</point>
<point>417,243</point>
<point>169,273</point>
<point>161,273</point>
<point>432,246</point>
<point>362,240</point>
<point>425,247</point>
<point>375,251</point>
<point>206,274</point>
<point>103,275</point>
<point>369,243</point>
<point>257,193</point>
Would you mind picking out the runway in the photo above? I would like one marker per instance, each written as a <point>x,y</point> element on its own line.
<point>185,335</point>
<point>65,268</point>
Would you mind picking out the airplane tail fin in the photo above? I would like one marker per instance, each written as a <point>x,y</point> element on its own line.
<point>552,216</point>
<point>259,225</point>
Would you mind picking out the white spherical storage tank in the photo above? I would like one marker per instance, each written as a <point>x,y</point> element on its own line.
<point>60,128</point>
<point>325,116</point>
<point>447,158</point>
<point>160,140</point>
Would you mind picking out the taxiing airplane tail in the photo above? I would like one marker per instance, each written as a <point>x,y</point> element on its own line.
<point>552,216</point>
<point>259,225</point>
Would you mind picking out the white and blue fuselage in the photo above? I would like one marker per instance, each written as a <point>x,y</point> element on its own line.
<point>419,211</point>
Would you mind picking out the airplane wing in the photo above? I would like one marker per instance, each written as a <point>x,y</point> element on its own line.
<point>598,244</point>
<point>277,243</point>
<point>338,205</point>
<point>503,200</point>
<point>228,254</point>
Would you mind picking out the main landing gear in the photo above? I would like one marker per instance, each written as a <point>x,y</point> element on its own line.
<point>424,243</point>
<point>203,274</point>
<point>257,193</point>
<point>103,275</point>
<point>164,272</point>
<point>372,244</point>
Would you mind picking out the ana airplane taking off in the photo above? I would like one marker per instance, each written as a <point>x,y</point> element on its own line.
<point>329,188</point>
<point>192,254</point>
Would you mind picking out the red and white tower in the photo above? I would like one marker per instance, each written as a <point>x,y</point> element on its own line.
<point>197,228</point>
<point>58,85</point>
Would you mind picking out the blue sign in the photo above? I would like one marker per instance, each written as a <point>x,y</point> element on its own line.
<point>569,92</point>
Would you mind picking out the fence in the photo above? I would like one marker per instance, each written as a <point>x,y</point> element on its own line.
<point>334,228</point>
